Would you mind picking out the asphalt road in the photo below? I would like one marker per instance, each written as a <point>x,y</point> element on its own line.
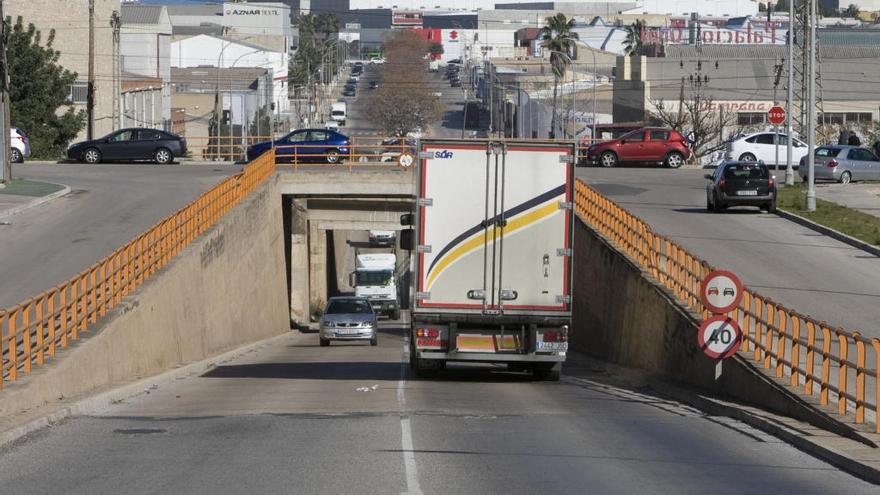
<point>793,265</point>
<point>109,204</point>
<point>294,417</point>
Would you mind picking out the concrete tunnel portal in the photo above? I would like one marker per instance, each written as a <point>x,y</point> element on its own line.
<point>327,216</point>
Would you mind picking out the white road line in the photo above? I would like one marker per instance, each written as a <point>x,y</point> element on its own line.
<point>406,443</point>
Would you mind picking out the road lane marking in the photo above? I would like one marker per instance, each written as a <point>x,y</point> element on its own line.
<point>406,443</point>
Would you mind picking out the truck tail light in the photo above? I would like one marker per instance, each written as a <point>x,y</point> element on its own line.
<point>560,335</point>
<point>428,333</point>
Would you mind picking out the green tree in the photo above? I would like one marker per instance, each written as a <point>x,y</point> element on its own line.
<point>558,37</point>
<point>632,44</point>
<point>851,11</point>
<point>39,91</point>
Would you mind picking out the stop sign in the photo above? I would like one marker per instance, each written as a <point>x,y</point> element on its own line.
<point>776,115</point>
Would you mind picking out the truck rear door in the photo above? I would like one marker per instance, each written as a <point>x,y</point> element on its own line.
<point>494,227</point>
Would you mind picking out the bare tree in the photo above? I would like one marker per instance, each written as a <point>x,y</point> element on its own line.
<point>695,119</point>
<point>404,99</point>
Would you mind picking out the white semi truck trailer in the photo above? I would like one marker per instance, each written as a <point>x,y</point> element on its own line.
<point>492,242</point>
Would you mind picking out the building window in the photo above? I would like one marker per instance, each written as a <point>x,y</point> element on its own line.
<point>842,118</point>
<point>750,118</point>
<point>79,92</point>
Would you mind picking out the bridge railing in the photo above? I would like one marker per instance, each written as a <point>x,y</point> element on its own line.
<point>819,359</point>
<point>35,330</point>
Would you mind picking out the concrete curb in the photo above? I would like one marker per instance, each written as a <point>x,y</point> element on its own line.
<point>834,234</point>
<point>35,202</point>
<point>101,400</point>
<point>801,442</point>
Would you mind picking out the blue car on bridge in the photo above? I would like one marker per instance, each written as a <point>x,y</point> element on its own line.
<point>305,145</point>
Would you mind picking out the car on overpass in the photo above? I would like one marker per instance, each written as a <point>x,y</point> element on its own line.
<point>130,145</point>
<point>305,145</point>
<point>738,183</point>
<point>842,163</point>
<point>645,145</point>
<point>348,318</point>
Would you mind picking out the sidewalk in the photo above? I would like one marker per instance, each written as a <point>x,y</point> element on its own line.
<point>21,195</point>
<point>864,197</point>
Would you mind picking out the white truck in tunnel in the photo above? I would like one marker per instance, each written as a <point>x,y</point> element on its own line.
<point>375,278</point>
<point>492,255</point>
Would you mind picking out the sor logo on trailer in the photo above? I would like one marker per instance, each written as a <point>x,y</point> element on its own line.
<point>443,154</point>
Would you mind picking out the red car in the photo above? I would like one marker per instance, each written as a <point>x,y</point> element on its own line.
<point>645,145</point>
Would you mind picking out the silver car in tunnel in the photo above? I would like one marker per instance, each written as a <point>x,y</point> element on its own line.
<point>348,318</point>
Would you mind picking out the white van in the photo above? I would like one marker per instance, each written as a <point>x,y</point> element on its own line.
<point>338,112</point>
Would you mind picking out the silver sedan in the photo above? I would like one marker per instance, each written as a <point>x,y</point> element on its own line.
<point>348,318</point>
<point>842,163</point>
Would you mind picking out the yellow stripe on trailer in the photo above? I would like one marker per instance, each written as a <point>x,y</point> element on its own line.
<point>487,343</point>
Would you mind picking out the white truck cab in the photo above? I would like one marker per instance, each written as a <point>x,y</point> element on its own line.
<point>338,112</point>
<point>375,279</point>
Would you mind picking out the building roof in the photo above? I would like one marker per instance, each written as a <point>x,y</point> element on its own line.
<point>209,79</point>
<point>199,9</point>
<point>140,14</point>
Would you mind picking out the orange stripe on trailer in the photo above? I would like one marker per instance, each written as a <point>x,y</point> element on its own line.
<point>488,343</point>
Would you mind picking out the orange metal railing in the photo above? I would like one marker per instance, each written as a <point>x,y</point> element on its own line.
<point>34,331</point>
<point>813,356</point>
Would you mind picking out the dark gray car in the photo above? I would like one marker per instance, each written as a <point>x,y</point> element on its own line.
<point>130,145</point>
<point>842,163</point>
<point>348,318</point>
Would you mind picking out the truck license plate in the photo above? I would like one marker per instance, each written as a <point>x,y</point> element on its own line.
<point>551,346</point>
<point>748,192</point>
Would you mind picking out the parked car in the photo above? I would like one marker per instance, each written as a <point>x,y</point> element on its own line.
<point>332,125</point>
<point>377,60</point>
<point>455,83</point>
<point>646,145</point>
<point>739,183</point>
<point>374,84</point>
<point>348,318</point>
<point>302,145</point>
<point>760,146</point>
<point>349,91</point>
<point>842,163</point>
<point>351,82</point>
<point>19,145</point>
<point>130,145</point>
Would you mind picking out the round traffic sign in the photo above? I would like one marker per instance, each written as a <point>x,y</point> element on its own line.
<point>721,291</point>
<point>719,337</point>
<point>776,115</point>
<point>405,160</point>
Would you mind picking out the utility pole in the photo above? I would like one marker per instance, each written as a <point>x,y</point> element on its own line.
<point>5,108</point>
<point>789,171</point>
<point>90,97</point>
<point>115,24</point>
<point>778,70</point>
<point>811,112</point>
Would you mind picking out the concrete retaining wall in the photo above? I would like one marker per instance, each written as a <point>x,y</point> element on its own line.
<point>625,316</point>
<point>228,288</point>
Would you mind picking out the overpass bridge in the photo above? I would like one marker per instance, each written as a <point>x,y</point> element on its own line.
<point>238,266</point>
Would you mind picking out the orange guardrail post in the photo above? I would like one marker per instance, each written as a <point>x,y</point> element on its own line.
<point>12,343</point>
<point>860,377</point>
<point>3,322</point>
<point>795,347</point>
<point>826,365</point>
<point>780,340</point>
<point>843,349</point>
<point>875,343</point>
<point>810,365</point>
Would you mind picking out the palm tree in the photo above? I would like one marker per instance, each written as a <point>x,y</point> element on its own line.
<point>632,44</point>
<point>559,38</point>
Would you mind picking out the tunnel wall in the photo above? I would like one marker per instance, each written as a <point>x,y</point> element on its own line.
<point>623,315</point>
<point>226,289</point>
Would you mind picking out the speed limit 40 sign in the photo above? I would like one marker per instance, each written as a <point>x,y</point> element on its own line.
<point>719,337</point>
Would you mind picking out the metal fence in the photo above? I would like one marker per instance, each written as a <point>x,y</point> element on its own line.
<point>33,331</point>
<point>813,356</point>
